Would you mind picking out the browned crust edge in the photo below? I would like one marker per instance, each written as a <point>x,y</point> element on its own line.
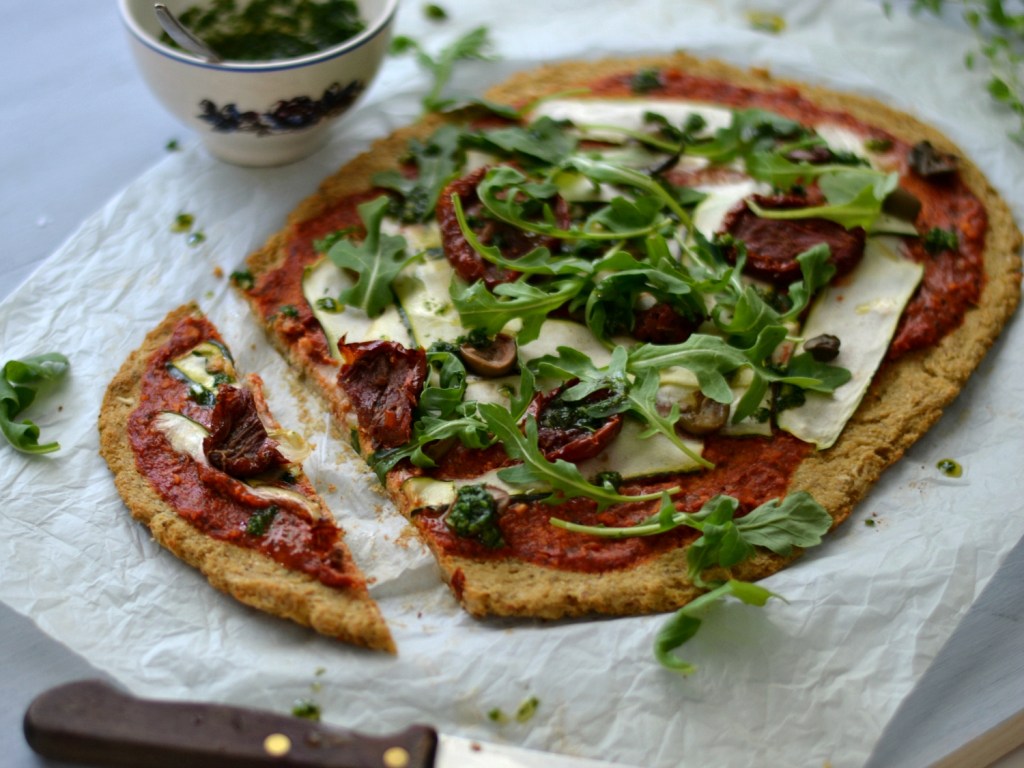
<point>247,575</point>
<point>905,399</point>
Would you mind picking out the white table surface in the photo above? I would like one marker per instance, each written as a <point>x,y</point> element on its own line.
<point>79,126</point>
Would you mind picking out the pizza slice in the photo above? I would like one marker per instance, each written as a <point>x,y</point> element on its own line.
<point>608,350</point>
<point>200,460</point>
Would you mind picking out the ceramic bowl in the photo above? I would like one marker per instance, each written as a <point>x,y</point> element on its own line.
<point>259,113</point>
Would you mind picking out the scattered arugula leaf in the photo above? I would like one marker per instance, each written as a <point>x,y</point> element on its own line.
<point>526,710</point>
<point>685,622</point>
<point>937,240</point>
<point>306,709</point>
<point>259,522</point>
<point>435,12</point>
<point>763,21</point>
<point>22,381</point>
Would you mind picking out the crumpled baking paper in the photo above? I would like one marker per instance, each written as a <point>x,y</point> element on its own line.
<point>805,682</point>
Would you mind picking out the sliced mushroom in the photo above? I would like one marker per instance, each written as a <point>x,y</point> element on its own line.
<point>703,416</point>
<point>927,161</point>
<point>495,357</point>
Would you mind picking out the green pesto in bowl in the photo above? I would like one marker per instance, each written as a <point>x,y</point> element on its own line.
<point>266,30</point>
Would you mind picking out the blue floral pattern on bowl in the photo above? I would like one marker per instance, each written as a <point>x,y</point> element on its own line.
<point>286,115</point>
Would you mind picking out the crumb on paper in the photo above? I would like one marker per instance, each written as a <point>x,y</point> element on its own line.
<point>763,21</point>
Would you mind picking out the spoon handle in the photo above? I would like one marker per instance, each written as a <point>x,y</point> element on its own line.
<point>182,36</point>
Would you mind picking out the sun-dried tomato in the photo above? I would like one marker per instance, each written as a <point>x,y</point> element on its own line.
<point>661,324</point>
<point>238,443</point>
<point>565,429</point>
<point>512,241</point>
<point>383,380</point>
<point>773,244</point>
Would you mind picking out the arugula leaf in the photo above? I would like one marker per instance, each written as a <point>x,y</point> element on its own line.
<point>544,140</point>
<point>817,272</point>
<point>781,172</point>
<point>444,397</point>
<point>640,392</point>
<point>472,45</point>
<point>855,198</point>
<point>437,162</point>
<point>510,195</point>
<point>710,358</point>
<point>377,261</point>
<point>749,132</point>
<point>22,380</point>
<point>797,521</point>
<point>536,471</point>
<point>480,308</point>
<point>603,171</point>
<point>685,622</point>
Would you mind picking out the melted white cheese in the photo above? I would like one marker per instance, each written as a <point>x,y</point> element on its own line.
<point>863,311</point>
<point>589,115</point>
<point>325,280</point>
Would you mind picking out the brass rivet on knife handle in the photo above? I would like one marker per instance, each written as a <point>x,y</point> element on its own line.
<point>396,757</point>
<point>91,722</point>
<point>277,745</point>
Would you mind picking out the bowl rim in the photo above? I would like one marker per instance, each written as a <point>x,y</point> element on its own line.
<point>381,25</point>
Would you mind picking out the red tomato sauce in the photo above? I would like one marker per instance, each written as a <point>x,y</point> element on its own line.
<point>751,469</point>
<point>214,503</point>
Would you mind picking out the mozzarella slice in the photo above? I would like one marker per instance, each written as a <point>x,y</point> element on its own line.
<point>863,310</point>
<point>422,290</point>
<point>185,435</point>
<point>710,212</point>
<point>324,281</point>
<point>590,114</point>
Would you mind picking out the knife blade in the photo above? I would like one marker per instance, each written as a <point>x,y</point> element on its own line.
<point>967,710</point>
<point>91,722</point>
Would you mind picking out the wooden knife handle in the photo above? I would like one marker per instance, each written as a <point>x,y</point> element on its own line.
<point>94,723</point>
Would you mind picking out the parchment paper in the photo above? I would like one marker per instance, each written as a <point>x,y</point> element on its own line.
<point>806,682</point>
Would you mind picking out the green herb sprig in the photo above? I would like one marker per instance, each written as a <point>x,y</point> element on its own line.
<point>999,36</point>
<point>472,45</point>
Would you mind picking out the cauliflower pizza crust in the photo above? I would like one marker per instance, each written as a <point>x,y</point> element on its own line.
<point>257,531</point>
<point>528,568</point>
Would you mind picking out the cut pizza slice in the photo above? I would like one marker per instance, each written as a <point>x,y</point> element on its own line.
<point>200,460</point>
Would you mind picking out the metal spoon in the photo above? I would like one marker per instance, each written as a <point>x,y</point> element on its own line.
<point>182,36</point>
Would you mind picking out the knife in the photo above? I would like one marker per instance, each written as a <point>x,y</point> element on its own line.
<point>967,710</point>
<point>93,723</point>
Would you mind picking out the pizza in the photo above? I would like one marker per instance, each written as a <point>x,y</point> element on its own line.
<point>627,329</point>
<point>199,459</point>
<point>615,335</point>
